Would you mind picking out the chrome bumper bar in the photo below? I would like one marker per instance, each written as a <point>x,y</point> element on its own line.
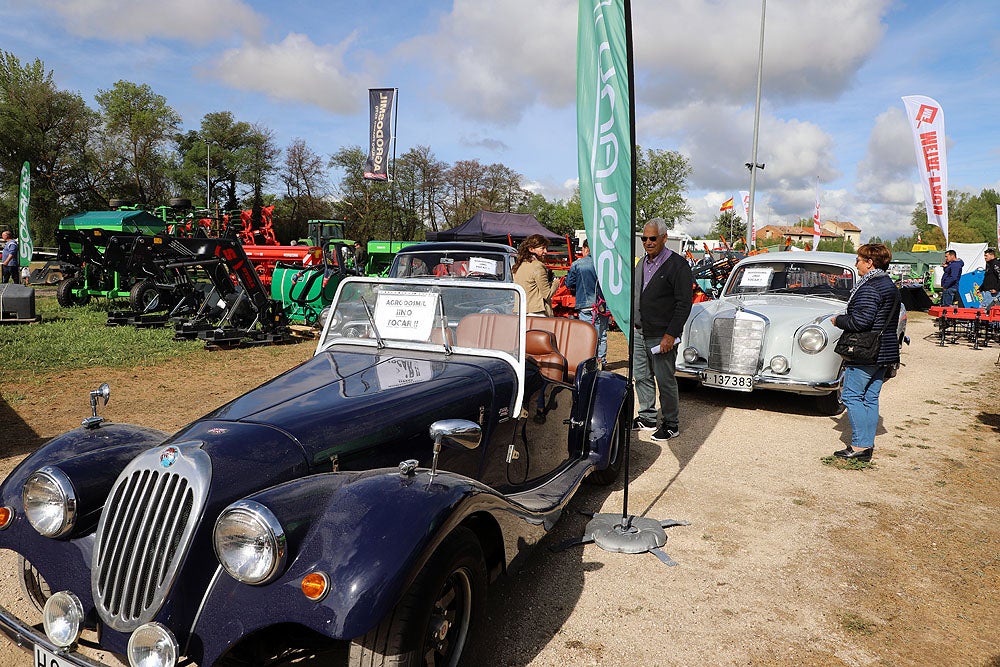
<point>774,383</point>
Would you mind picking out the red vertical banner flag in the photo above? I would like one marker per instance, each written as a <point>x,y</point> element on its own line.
<point>927,124</point>
<point>817,228</point>
<point>380,134</point>
<point>751,232</point>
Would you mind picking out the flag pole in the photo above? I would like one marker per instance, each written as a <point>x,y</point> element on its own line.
<point>622,533</point>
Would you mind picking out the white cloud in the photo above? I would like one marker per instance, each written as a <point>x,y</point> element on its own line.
<point>138,20</point>
<point>887,173</point>
<point>709,50</point>
<point>296,70</point>
<point>497,59</point>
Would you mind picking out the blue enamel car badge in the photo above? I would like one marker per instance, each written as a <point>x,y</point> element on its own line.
<point>168,456</point>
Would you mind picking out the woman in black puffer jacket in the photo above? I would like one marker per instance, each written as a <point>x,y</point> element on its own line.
<point>873,305</point>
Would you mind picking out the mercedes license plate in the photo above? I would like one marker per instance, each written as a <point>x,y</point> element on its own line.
<point>45,659</point>
<point>727,381</point>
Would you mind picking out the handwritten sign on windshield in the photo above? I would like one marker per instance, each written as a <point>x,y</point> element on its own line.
<point>756,277</point>
<point>405,315</point>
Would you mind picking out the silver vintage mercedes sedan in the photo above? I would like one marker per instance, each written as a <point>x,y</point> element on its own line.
<point>771,329</point>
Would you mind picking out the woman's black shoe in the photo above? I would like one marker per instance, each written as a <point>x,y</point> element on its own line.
<point>854,454</point>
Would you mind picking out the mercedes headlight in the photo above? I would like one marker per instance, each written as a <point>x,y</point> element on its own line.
<point>250,543</point>
<point>779,365</point>
<point>690,355</point>
<point>49,501</point>
<point>812,339</point>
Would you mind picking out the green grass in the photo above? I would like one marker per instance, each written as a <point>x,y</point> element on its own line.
<point>78,337</point>
<point>857,625</point>
<point>847,464</point>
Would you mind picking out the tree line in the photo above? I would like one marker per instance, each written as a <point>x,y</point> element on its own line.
<point>132,147</point>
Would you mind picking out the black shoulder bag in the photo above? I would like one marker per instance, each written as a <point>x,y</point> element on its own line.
<point>862,347</point>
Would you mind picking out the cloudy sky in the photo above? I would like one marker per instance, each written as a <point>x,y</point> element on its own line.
<point>494,80</point>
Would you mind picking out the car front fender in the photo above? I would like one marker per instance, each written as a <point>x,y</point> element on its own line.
<point>609,395</point>
<point>369,533</point>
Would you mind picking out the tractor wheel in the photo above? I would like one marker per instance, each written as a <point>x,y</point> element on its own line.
<point>142,294</point>
<point>118,203</point>
<point>179,202</point>
<point>65,295</point>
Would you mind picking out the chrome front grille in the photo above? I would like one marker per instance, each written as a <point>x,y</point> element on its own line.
<point>145,531</point>
<point>736,343</point>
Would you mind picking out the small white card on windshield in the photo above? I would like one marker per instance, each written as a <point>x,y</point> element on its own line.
<point>482,265</point>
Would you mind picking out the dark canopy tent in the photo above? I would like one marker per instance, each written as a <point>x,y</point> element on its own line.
<point>495,228</point>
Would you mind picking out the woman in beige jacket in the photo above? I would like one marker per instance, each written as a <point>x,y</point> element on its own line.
<point>531,274</point>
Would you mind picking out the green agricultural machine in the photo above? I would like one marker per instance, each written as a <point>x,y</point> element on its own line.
<point>304,291</point>
<point>86,266</point>
<point>380,254</point>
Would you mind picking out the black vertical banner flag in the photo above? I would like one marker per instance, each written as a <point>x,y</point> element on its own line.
<point>380,101</point>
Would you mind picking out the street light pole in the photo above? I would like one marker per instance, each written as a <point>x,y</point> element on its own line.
<point>753,166</point>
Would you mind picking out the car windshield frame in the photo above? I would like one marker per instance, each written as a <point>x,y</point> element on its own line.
<point>450,263</point>
<point>786,277</point>
<point>364,313</point>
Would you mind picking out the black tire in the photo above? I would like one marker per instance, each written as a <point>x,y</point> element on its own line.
<point>65,295</point>
<point>118,203</point>
<point>619,439</point>
<point>446,598</point>
<point>687,384</point>
<point>830,404</point>
<point>179,202</point>
<point>142,295</point>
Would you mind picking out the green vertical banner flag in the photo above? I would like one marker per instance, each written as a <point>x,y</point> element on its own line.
<point>25,248</point>
<point>605,148</point>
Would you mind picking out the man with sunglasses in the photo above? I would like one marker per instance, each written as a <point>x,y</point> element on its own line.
<point>663,291</point>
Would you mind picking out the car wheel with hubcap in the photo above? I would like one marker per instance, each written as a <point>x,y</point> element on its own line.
<point>432,622</point>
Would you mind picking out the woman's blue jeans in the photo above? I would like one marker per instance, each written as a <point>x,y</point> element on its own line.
<point>862,385</point>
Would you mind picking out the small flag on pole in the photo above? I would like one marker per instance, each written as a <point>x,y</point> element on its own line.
<point>727,205</point>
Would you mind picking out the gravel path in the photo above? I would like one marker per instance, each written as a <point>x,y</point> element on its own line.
<point>787,561</point>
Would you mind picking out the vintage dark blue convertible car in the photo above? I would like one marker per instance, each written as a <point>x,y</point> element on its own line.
<point>351,511</point>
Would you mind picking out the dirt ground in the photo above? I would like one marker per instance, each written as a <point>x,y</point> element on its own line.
<point>787,560</point>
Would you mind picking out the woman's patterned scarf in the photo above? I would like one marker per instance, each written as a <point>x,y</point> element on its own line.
<point>871,275</point>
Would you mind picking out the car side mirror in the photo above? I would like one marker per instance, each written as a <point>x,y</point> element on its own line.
<point>455,433</point>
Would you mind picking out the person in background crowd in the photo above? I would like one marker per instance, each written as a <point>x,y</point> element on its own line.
<point>581,280</point>
<point>360,257</point>
<point>662,287</point>
<point>949,280</point>
<point>531,274</point>
<point>8,258</point>
<point>991,279</point>
<point>873,303</point>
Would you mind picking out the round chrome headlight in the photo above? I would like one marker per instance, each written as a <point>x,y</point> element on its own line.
<point>250,543</point>
<point>779,365</point>
<point>62,618</point>
<point>691,354</point>
<point>812,339</point>
<point>152,645</point>
<point>49,501</point>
